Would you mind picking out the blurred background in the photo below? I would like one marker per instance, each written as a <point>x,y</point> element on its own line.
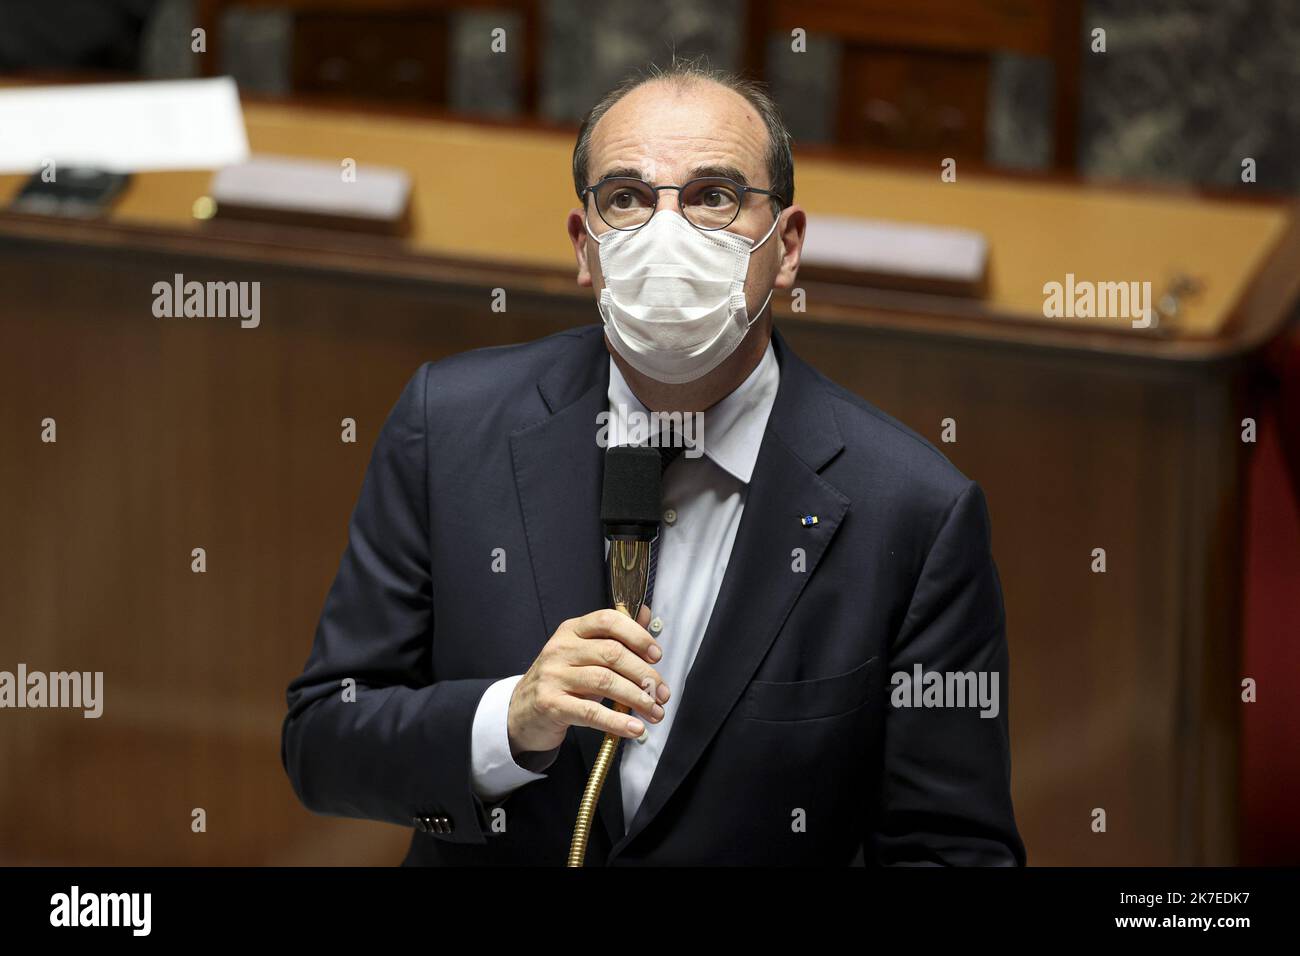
<point>1105,140</point>
<point>1185,85</point>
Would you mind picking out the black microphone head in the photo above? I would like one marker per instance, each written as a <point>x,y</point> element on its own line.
<point>630,499</point>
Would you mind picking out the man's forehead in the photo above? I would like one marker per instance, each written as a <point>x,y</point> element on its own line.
<point>662,133</point>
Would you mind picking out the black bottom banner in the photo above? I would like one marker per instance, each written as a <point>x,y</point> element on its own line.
<point>303,906</point>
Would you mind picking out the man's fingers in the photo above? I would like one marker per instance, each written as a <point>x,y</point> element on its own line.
<point>607,653</point>
<point>589,713</point>
<point>610,623</point>
<point>607,683</point>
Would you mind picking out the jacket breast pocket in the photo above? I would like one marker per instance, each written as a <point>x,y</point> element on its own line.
<point>809,699</point>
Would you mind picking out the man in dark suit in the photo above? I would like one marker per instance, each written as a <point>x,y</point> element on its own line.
<point>821,672</point>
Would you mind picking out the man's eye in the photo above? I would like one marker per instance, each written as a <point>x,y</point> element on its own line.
<point>625,199</point>
<point>717,198</point>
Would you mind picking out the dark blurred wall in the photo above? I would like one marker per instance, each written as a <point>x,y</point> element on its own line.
<point>1185,91</point>
<point>1190,87</point>
<point>63,34</point>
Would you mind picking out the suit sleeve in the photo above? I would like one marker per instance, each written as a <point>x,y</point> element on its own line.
<point>370,733</point>
<point>946,781</point>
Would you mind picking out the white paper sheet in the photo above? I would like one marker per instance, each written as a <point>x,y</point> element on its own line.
<point>306,185</point>
<point>123,127</point>
<point>877,245</point>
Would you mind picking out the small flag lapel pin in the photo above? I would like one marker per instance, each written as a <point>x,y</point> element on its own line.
<point>808,520</point>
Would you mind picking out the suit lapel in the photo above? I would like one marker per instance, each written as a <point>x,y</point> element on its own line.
<point>761,584</point>
<point>558,469</point>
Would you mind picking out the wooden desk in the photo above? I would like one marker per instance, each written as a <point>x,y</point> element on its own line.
<point>1038,232</point>
<point>176,434</point>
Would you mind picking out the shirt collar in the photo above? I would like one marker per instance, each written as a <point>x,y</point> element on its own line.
<point>733,428</point>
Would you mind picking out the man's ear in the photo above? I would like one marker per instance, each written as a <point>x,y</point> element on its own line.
<point>790,233</point>
<point>578,236</point>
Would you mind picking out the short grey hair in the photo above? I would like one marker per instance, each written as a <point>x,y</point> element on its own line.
<point>780,159</point>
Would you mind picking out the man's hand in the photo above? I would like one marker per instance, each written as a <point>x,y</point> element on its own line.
<point>601,654</point>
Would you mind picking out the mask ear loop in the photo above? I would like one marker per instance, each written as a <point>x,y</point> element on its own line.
<point>750,323</point>
<point>766,237</point>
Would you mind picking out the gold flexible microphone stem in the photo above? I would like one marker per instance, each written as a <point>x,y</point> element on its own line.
<point>628,561</point>
<point>591,795</point>
<point>595,783</point>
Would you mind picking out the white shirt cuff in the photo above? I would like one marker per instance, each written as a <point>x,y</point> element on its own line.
<point>493,769</point>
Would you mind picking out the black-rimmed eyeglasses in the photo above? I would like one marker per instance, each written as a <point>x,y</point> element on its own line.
<point>711,203</point>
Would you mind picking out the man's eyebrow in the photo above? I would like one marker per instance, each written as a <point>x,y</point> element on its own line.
<point>699,172</point>
<point>726,172</point>
<point>630,172</point>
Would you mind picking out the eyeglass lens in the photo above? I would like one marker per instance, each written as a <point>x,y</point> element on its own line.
<point>629,203</point>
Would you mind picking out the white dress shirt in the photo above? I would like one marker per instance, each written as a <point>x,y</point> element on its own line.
<point>704,497</point>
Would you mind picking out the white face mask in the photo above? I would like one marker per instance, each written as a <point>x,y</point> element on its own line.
<point>674,298</point>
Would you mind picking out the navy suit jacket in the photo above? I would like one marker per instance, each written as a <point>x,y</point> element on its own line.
<point>786,749</point>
